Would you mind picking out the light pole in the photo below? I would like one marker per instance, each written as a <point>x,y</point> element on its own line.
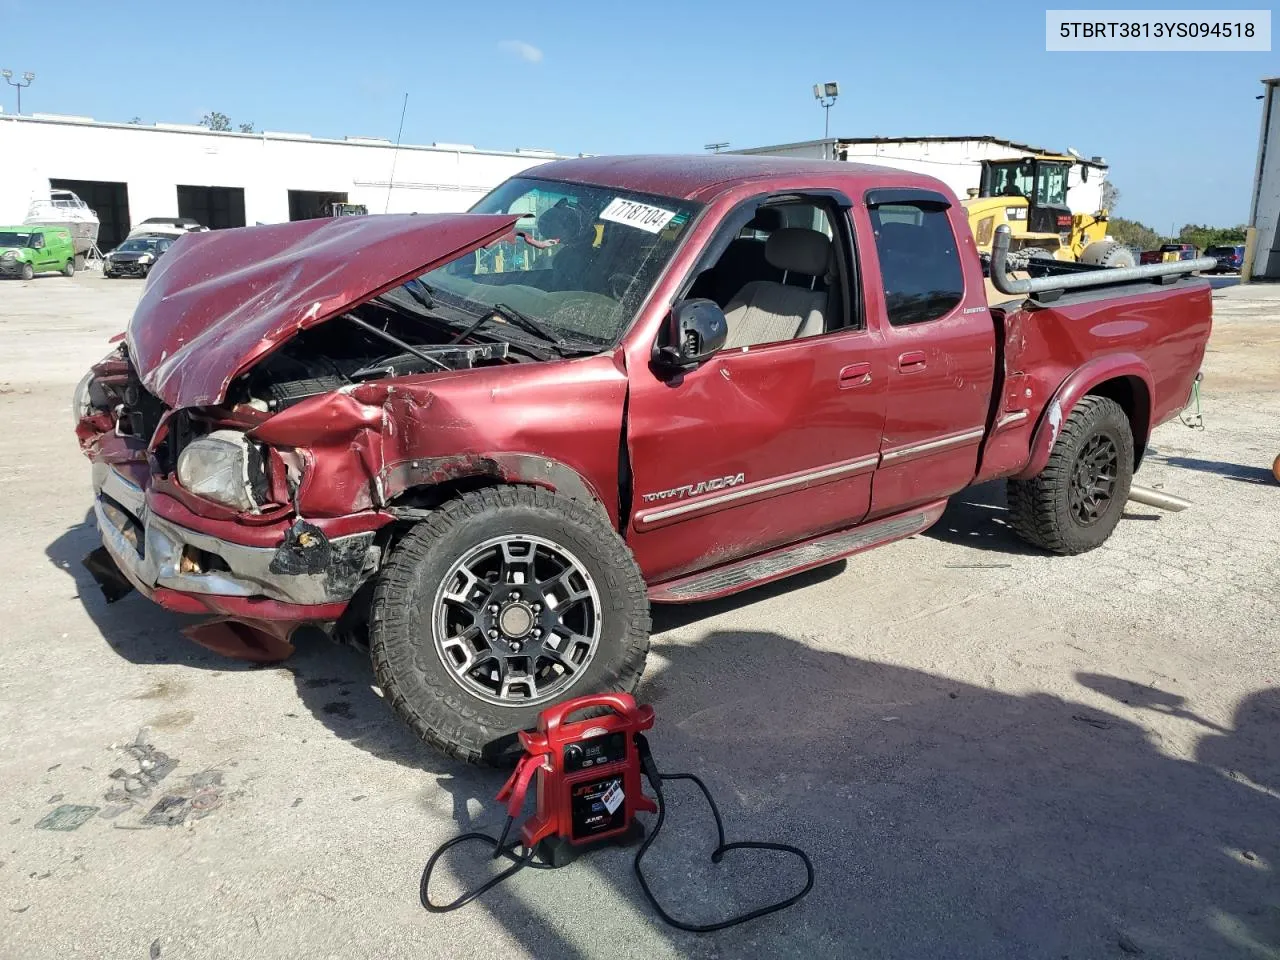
<point>24,82</point>
<point>825,94</point>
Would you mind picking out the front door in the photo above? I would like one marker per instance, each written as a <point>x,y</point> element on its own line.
<point>775,438</point>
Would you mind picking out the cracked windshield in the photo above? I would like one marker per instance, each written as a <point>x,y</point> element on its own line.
<point>580,263</point>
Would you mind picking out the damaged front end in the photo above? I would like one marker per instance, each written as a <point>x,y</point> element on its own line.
<point>237,439</point>
<point>203,520</point>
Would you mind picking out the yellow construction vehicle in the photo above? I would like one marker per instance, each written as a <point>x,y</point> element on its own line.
<point>1030,195</point>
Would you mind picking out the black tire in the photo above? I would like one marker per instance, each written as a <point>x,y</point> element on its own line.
<point>1041,252</point>
<point>27,272</point>
<point>1046,511</point>
<point>407,659</point>
<point>69,268</point>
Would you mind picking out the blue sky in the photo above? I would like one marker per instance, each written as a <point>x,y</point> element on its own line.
<point>1180,130</point>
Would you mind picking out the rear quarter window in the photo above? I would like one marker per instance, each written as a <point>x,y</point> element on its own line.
<point>919,262</point>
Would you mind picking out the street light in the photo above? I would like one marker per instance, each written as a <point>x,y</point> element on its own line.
<point>24,82</point>
<point>825,94</point>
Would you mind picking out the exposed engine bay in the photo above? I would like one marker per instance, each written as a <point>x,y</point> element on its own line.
<point>368,343</point>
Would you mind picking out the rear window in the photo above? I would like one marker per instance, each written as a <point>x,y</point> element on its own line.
<point>919,262</point>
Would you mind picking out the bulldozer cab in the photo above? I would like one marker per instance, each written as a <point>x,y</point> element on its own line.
<point>1041,183</point>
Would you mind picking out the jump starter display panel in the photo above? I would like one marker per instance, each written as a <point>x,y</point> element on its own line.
<point>595,752</point>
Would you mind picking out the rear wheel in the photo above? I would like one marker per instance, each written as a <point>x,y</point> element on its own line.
<point>505,601</point>
<point>69,268</point>
<point>1075,502</point>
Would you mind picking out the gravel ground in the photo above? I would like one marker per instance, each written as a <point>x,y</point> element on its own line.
<point>988,753</point>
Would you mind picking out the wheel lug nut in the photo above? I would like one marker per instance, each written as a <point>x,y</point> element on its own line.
<point>515,594</point>
<point>493,608</point>
<point>493,634</point>
<point>537,631</point>
<point>537,608</point>
<point>515,646</point>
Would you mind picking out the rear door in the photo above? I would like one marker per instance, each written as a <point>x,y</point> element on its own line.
<point>930,305</point>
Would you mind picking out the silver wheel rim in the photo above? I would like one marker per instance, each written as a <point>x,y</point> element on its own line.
<point>516,620</point>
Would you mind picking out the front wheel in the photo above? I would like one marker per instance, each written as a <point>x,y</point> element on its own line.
<point>503,602</point>
<point>28,272</point>
<point>1075,502</point>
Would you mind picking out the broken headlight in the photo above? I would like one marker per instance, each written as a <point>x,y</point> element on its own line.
<point>81,406</point>
<point>226,468</point>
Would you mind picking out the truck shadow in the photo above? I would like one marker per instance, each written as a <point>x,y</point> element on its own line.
<point>943,818</point>
<point>1229,471</point>
<point>333,682</point>
<point>978,517</point>
<point>671,616</point>
<point>946,819</point>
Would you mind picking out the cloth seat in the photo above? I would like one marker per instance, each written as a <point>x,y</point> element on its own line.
<point>765,311</point>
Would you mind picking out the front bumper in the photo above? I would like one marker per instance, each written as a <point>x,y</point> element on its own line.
<point>126,268</point>
<point>193,572</point>
<point>11,267</point>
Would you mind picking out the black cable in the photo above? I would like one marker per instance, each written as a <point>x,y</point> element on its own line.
<point>655,780</point>
<point>519,862</point>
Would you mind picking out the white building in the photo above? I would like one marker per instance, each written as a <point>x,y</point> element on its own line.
<point>956,161</point>
<point>130,172</point>
<point>1264,210</point>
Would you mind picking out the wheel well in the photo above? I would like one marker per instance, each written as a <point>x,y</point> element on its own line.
<point>429,496</point>
<point>1134,399</point>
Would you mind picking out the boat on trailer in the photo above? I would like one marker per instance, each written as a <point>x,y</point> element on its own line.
<point>65,209</point>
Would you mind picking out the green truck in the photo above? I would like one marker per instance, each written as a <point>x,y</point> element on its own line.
<point>26,251</point>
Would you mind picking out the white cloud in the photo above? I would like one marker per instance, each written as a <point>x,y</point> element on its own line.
<point>525,51</point>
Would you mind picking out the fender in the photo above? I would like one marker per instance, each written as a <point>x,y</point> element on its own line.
<point>1078,383</point>
<point>528,468</point>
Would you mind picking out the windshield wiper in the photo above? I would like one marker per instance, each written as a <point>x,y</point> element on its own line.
<point>539,329</point>
<point>526,322</point>
<point>424,296</point>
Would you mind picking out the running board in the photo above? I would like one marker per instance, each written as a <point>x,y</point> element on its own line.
<point>753,571</point>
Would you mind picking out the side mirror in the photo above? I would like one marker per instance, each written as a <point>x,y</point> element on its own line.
<point>695,330</point>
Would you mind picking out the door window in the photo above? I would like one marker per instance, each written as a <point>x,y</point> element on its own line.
<point>37,241</point>
<point>919,262</point>
<point>780,278</point>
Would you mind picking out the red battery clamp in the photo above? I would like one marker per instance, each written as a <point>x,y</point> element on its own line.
<point>588,794</point>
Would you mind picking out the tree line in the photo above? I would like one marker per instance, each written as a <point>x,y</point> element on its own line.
<point>1199,235</point>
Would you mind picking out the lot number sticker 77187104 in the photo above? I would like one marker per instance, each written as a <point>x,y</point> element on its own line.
<point>638,215</point>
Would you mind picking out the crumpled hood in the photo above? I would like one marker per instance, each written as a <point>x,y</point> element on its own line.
<point>219,301</point>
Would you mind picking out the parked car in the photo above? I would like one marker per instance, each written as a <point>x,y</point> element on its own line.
<point>498,464</point>
<point>167,226</point>
<point>136,256</point>
<point>28,250</point>
<point>1169,253</point>
<point>1230,258</point>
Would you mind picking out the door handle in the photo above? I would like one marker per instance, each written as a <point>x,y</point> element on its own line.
<point>855,375</point>
<point>911,361</point>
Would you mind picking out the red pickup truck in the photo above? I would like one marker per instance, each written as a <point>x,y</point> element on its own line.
<point>492,439</point>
